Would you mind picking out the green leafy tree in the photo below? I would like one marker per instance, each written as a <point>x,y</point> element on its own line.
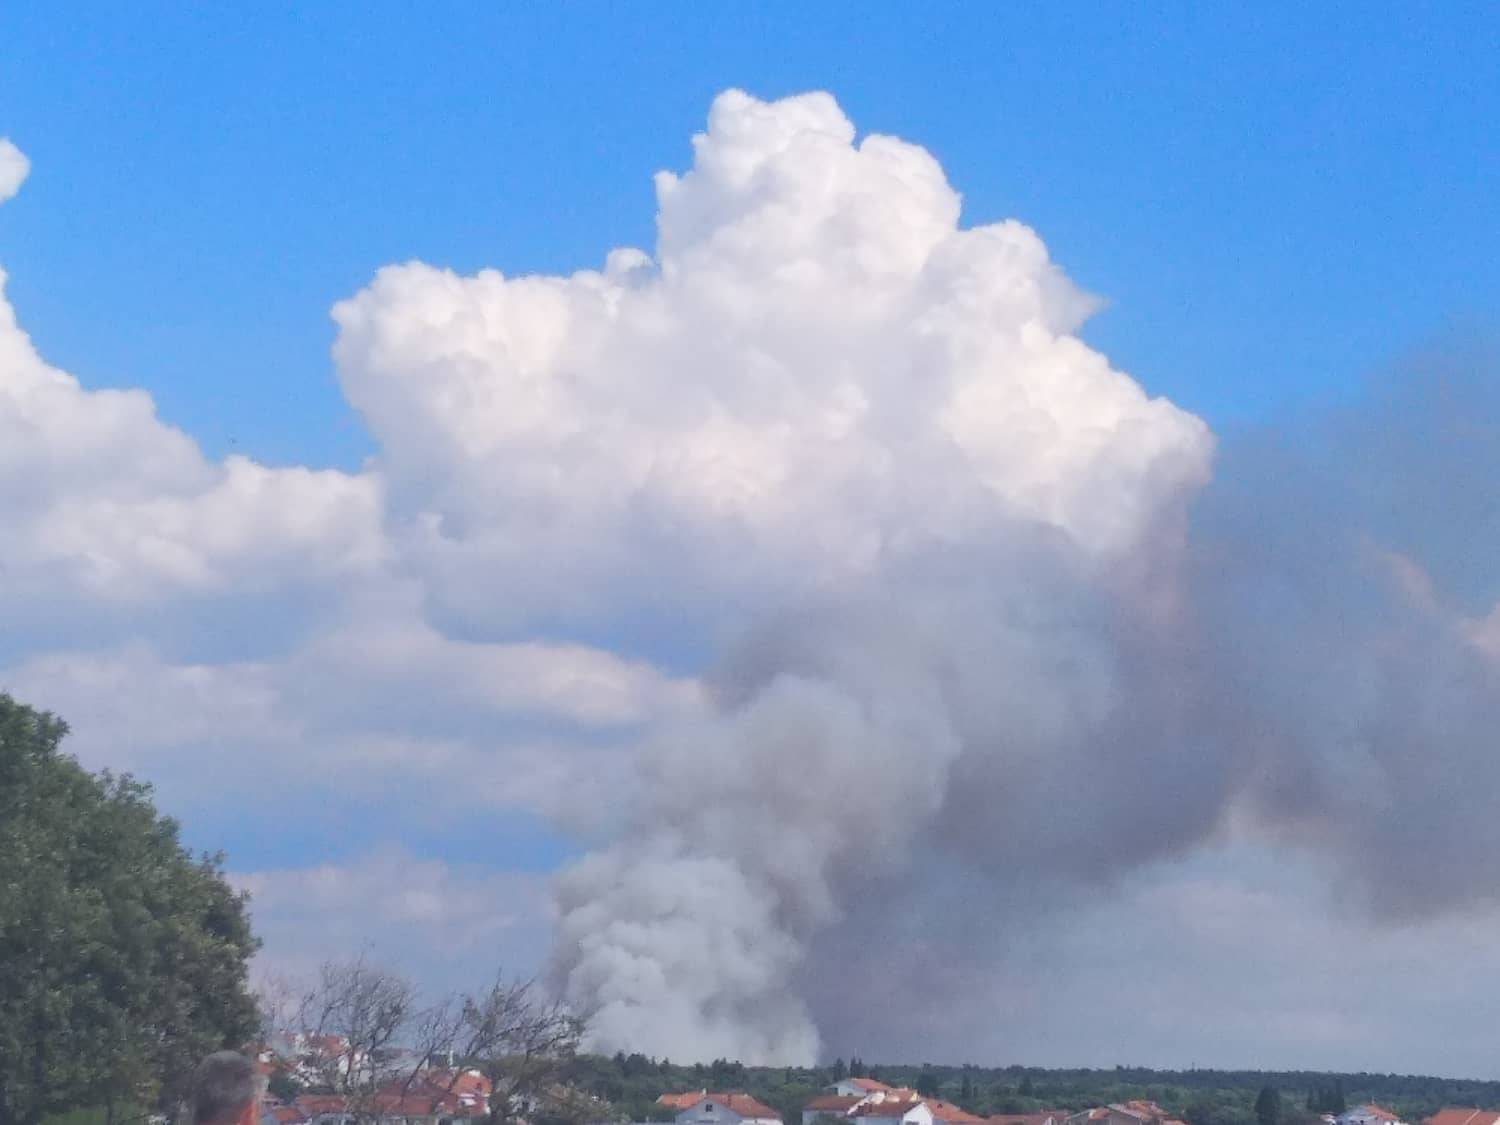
<point>1268,1106</point>
<point>927,1084</point>
<point>123,958</point>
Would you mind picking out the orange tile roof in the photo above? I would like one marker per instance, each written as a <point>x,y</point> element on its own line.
<point>746,1106</point>
<point>1140,1107</point>
<point>870,1084</point>
<point>1041,1117</point>
<point>833,1103</point>
<point>740,1103</point>
<point>947,1111</point>
<point>1463,1115</point>
<point>886,1107</point>
<point>314,1104</point>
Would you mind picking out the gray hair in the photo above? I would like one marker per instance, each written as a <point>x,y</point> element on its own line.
<point>223,1084</point>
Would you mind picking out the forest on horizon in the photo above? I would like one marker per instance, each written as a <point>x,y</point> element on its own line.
<point>632,1083</point>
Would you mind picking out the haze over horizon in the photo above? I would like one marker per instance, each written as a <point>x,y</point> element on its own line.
<point>800,573</point>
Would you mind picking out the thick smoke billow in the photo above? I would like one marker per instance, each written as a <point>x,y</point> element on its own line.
<point>1034,678</point>
<point>824,406</point>
<point>993,631</point>
<point>1347,585</point>
<point>980,522</point>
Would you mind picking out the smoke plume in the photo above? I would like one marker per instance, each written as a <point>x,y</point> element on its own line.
<point>994,639</point>
<point>977,634</point>
<point>993,631</point>
<point>1028,667</point>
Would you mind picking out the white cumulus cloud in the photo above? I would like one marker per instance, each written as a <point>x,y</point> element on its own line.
<point>398,909</point>
<point>14,168</point>
<point>105,503</point>
<point>817,373</point>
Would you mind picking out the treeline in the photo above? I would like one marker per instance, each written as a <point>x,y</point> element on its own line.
<point>123,955</point>
<point>632,1083</point>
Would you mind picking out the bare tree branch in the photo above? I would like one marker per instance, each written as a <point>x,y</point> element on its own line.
<point>361,1033</point>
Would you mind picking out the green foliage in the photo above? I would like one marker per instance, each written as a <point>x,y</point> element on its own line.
<point>1268,1106</point>
<point>1200,1097</point>
<point>1327,1098</point>
<point>122,958</point>
<point>283,1086</point>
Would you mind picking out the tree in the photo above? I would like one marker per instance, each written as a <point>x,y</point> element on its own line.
<point>527,1047</point>
<point>1268,1106</point>
<point>123,958</point>
<point>369,1039</point>
<point>927,1084</point>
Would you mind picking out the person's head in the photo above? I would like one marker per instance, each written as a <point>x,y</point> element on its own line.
<point>226,1090</point>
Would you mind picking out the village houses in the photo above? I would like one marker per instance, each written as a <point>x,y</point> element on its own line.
<point>1369,1114</point>
<point>706,1107</point>
<point>1136,1112</point>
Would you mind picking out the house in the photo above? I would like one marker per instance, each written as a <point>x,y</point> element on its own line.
<point>1463,1115</point>
<point>851,1097</point>
<point>282,1115</point>
<point>385,1107</point>
<point>731,1108</point>
<point>946,1113</point>
<point>1136,1112</point>
<point>466,1093</point>
<point>685,1100</point>
<point>323,1109</point>
<point>883,1105</point>
<point>891,1109</point>
<point>829,1105</point>
<point>1369,1114</point>
<point>1041,1117</point>
<point>565,1101</point>
<point>856,1087</point>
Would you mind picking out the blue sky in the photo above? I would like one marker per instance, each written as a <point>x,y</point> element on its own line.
<point>420,683</point>
<point>1274,198</point>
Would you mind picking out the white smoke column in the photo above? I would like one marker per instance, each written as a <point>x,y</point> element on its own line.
<point>824,411</point>
<point>960,421</point>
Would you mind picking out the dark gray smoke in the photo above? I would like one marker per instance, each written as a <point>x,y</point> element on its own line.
<point>1018,729</point>
<point>1346,577</point>
<point>1002,643</point>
